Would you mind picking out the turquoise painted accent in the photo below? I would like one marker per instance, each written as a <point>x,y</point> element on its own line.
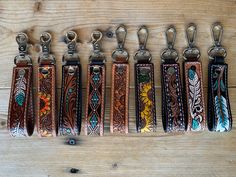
<point>19,98</point>
<point>95,99</point>
<point>221,114</point>
<point>93,121</point>
<point>96,78</point>
<point>195,124</point>
<point>191,74</point>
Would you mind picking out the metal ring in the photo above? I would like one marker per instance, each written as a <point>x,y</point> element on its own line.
<point>45,37</point>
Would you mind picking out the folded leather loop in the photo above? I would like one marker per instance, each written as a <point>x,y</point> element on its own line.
<point>94,116</point>
<point>120,85</point>
<point>70,106</point>
<point>46,88</point>
<point>144,86</point>
<point>193,84</point>
<point>219,112</point>
<point>173,117</point>
<point>20,120</point>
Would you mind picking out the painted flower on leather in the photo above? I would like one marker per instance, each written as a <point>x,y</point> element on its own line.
<point>44,103</point>
<point>145,94</point>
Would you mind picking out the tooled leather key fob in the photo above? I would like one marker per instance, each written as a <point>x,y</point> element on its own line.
<point>94,116</point>
<point>219,112</point>
<point>120,85</point>
<point>193,84</point>
<point>46,88</point>
<point>70,106</point>
<point>173,117</point>
<point>144,86</point>
<point>20,120</point>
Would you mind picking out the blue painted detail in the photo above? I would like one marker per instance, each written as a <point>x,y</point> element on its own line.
<point>95,99</point>
<point>191,74</point>
<point>222,114</point>
<point>93,121</point>
<point>20,97</point>
<point>195,124</point>
<point>96,78</point>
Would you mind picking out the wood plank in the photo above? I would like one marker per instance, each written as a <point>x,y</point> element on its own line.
<point>202,154</point>
<point>34,17</point>
<point>155,154</point>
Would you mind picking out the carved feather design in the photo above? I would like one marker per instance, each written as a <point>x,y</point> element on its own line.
<point>222,114</point>
<point>20,88</point>
<point>195,100</point>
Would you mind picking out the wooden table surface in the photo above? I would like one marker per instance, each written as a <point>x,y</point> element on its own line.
<point>156,154</point>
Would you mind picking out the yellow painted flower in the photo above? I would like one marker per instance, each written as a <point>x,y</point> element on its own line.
<point>44,103</point>
<point>145,94</point>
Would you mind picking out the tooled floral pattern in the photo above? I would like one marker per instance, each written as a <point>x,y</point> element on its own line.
<point>173,97</point>
<point>69,107</point>
<point>120,97</point>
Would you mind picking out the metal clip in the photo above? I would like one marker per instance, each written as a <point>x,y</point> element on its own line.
<point>71,39</point>
<point>120,54</point>
<point>217,50</point>
<point>96,55</point>
<point>170,53</point>
<point>45,41</point>
<point>191,52</point>
<point>143,54</point>
<point>22,40</point>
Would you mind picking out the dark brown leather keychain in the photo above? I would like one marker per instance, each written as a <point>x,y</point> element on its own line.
<point>46,90</point>
<point>193,83</point>
<point>70,106</point>
<point>219,112</point>
<point>94,120</point>
<point>20,120</point>
<point>173,118</point>
<point>120,85</point>
<point>144,86</point>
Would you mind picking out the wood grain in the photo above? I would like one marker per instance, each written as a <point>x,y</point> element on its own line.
<point>156,154</point>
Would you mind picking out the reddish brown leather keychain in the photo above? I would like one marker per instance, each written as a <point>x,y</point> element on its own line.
<point>94,120</point>
<point>144,86</point>
<point>46,90</point>
<point>70,106</point>
<point>120,85</point>
<point>173,118</point>
<point>20,120</point>
<point>193,83</point>
<point>219,112</point>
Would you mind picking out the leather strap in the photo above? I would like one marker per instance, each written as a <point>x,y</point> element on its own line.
<point>95,100</point>
<point>46,89</point>
<point>120,85</point>
<point>21,112</point>
<point>194,95</point>
<point>119,98</point>
<point>70,107</point>
<point>173,117</point>
<point>145,97</point>
<point>20,122</point>
<point>94,116</point>
<point>219,112</point>
<point>172,101</point>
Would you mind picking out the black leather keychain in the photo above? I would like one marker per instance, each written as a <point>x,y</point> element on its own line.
<point>70,107</point>
<point>172,102</point>
<point>219,113</point>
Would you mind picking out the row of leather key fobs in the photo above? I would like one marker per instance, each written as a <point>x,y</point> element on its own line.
<point>182,109</point>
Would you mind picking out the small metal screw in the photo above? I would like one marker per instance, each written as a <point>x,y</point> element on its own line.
<point>74,170</point>
<point>109,34</point>
<point>72,141</point>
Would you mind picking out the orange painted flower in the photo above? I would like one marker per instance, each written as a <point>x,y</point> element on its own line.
<point>44,103</point>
